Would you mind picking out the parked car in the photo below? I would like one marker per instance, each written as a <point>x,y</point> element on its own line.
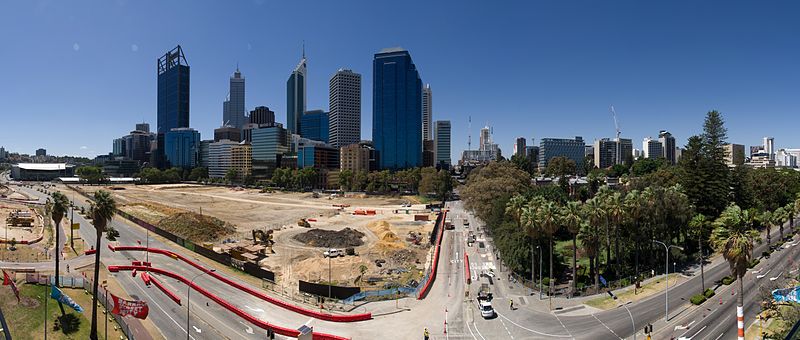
<point>333,253</point>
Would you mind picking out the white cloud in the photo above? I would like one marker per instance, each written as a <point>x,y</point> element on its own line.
<point>84,147</point>
<point>134,47</point>
<point>76,47</point>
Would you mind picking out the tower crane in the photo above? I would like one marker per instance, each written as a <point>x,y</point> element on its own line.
<point>618,141</point>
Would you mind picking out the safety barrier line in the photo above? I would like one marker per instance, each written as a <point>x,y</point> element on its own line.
<point>466,268</point>
<point>435,264</point>
<point>258,322</point>
<point>253,292</point>
<point>169,293</point>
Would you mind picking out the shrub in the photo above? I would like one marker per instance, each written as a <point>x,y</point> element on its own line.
<point>753,263</point>
<point>546,281</point>
<point>709,293</point>
<point>727,280</point>
<point>698,299</point>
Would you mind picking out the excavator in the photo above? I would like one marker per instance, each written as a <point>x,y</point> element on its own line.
<point>264,238</point>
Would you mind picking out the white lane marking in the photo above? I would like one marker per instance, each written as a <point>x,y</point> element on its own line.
<point>604,325</point>
<point>762,275</point>
<point>685,327</point>
<point>198,330</point>
<point>720,335</point>
<point>162,309</point>
<point>506,327</point>
<point>257,310</point>
<point>476,329</point>
<point>533,331</point>
<point>698,332</point>
<point>471,333</point>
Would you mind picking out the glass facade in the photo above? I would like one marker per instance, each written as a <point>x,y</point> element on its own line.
<point>173,91</point>
<point>296,97</point>
<point>314,125</point>
<point>396,110</point>
<point>574,149</point>
<point>442,143</point>
<point>181,148</point>
<point>269,144</point>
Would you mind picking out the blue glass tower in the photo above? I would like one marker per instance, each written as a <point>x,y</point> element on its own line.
<point>181,147</point>
<point>396,110</point>
<point>296,96</point>
<point>173,91</point>
<point>314,125</point>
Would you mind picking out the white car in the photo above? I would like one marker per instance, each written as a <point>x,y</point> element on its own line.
<point>333,253</point>
<point>486,309</point>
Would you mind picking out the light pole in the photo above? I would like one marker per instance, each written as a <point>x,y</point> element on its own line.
<point>666,277</point>
<point>329,276</point>
<point>540,272</point>
<point>633,323</point>
<point>189,302</point>
<point>533,270</point>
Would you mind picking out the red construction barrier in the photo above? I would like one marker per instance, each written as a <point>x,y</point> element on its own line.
<point>256,321</point>
<point>466,268</point>
<point>169,293</point>
<point>435,264</point>
<point>253,292</point>
<point>90,252</point>
<point>146,278</point>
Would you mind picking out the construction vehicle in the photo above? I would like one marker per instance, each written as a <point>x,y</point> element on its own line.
<point>303,223</point>
<point>264,238</point>
<point>20,218</point>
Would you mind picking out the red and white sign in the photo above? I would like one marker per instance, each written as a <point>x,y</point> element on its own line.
<point>122,307</point>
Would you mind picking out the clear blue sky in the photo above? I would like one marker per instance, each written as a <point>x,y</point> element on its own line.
<point>76,74</point>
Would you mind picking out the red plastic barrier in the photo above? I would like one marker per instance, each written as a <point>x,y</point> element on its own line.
<point>466,268</point>
<point>169,293</point>
<point>258,322</point>
<point>435,264</point>
<point>136,263</point>
<point>89,252</point>
<point>253,292</point>
<point>146,278</point>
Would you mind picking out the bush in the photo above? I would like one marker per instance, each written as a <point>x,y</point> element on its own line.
<point>698,299</point>
<point>727,280</point>
<point>753,263</point>
<point>709,293</point>
<point>546,281</point>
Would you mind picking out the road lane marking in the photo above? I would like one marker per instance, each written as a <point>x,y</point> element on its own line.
<point>476,329</point>
<point>604,325</point>
<point>720,335</point>
<point>198,330</point>
<point>533,331</point>
<point>506,327</point>
<point>698,332</point>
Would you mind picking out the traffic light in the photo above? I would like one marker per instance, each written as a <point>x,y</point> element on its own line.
<point>270,334</point>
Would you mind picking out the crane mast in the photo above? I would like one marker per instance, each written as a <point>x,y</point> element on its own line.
<point>618,141</point>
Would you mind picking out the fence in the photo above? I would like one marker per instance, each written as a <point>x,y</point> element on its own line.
<point>247,267</point>
<point>64,281</point>
<point>105,299</point>
<point>337,292</point>
<point>381,293</point>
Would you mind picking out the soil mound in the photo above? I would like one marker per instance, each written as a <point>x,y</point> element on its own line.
<point>344,238</point>
<point>195,227</point>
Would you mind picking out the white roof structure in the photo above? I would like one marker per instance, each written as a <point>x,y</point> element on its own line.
<point>44,166</point>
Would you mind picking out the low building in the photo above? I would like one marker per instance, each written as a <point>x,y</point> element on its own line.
<point>315,154</point>
<point>734,154</point>
<point>120,167</point>
<point>354,157</point>
<point>242,160</point>
<point>220,158</point>
<point>41,171</point>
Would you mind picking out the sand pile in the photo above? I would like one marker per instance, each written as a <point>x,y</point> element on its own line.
<point>387,239</point>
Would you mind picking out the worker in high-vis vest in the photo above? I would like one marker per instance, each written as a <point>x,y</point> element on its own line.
<point>426,334</point>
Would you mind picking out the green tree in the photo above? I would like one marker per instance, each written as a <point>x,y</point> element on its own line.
<point>199,173</point>
<point>549,220</point>
<point>346,179</point>
<point>515,206</point>
<point>716,171</point>
<point>231,175</point>
<point>572,216</point>
<point>766,220</point>
<point>590,240</point>
<point>778,216</point>
<point>733,236</point>
<point>522,162</point>
<point>644,166</point>
<point>103,209</point>
<point>488,185</point>
<point>58,210</point>
<point>91,174</point>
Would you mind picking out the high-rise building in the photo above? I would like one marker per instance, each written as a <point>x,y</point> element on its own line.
<point>269,145</point>
<point>227,132</point>
<point>41,152</point>
<point>345,108</point>
<point>242,160</point>
<point>605,151</point>
<point>734,154</point>
<point>143,127</point>
<point>428,154</point>
<point>396,109</point>
<point>769,147</point>
<point>668,146</point>
<point>442,140</point>
<point>573,149</point>
<point>173,98</point>
<point>118,147</point>
<point>652,148</point>
<point>354,157</point>
<point>296,96</point>
<point>220,158</point>
<point>532,152</point>
<point>262,115</point>
<point>519,146</point>
<point>181,147</point>
<point>203,153</point>
<point>427,112</point>
<point>137,146</point>
<point>233,109</point>
<point>2,153</point>
<point>314,125</point>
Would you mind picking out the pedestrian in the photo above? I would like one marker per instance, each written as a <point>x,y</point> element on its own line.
<point>426,335</point>
<point>67,268</point>
<point>511,302</point>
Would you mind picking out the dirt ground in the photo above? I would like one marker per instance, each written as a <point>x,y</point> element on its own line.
<point>17,232</point>
<point>386,233</point>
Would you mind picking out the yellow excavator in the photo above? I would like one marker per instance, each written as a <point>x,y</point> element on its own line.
<point>264,238</point>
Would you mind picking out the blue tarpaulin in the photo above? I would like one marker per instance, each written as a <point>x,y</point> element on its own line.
<point>787,294</point>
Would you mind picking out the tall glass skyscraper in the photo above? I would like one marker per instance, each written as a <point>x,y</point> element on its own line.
<point>296,96</point>
<point>314,125</point>
<point>173,91</point>
<point>396,109</point>
<point>182,147</point>
<point>441,135</point>
<point>233,109</point>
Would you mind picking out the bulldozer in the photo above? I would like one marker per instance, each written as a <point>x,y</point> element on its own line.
<point>264,238</point>
<point>303,223</point>
<point>20,218</point>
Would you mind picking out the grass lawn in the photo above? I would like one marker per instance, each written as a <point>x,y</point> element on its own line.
<point>651,288</point>
<point>26,318</point>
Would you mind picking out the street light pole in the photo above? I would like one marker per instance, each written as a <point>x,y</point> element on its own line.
<point>71,222</point>
<point>633,323</point>
<point>189,302</point>
<point>329,277</point>
<point>540,272</point>
<point>666,277</point>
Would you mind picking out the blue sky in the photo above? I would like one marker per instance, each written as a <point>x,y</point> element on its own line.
<point>76,74</point>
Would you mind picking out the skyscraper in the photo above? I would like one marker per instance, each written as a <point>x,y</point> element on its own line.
<point>314,125</point>
<point>396,109</point>
<point>427,112</point>
<point>345,108</point>
<point>652,148</point>
<point>296,96</point>
<point>573,149</point>
<point>769,147</point>
<point>262,115</point>
<point>519,146</point>
<point>233,109</point>
<point>441,132</point>
<point>143,127</point>
<point>182,147</point>
<point>668,146</point>
<point>173,91</point>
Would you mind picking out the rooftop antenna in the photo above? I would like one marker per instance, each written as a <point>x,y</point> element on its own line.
<point>469,133</point>
<point>304,49</point>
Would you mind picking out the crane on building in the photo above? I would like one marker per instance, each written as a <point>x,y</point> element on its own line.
<point>617,154</point>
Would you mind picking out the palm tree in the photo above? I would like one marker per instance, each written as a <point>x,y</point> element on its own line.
<point>777,218</point>
<point>615,213</point>
<point>590,240</point>
<point>597,214</point>
<point>634,210</point>
<point>766,219</point>
<point>514,208</point>
<point>103,209</point>
<point>699,225</point>
<point>790,211</point>
<point>549,222</point>
<point>572,216</point>
<point>58,210</point>
<point>733,236</point>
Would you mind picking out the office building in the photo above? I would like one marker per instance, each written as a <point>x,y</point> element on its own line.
<point>487,150</point>
<point>427,113</point>
<point>734,154</point>
<point>354,157</point>
<point>668,146</point>
<point>41,152</point>
<point>755,149</point>
<point>296,96</point>
<point>786,159</point>
<point>345,108</point>
<point>652,148</point>
<point>2,153</point>
<point>315,154</point>
<point>182,147</point>
<point>242,160</point>
<point>573,149</point>
<point>397,110</point>
<point>137,146</point>
<point>761,160</point>
<point>145,127</point>
<point>428,153</point>
<point>605,153</point>
<point>442,140</point>
<point>769,147</point>
<point>233,108</point>
<point>227,132</point>
<point>118,147</point>
<point>262,115</point>
<point>247,132</point>
<point>173,99</point>
<point>220,157</point>
<point>120,167</point>
<point>314,125</point>
<point>519,146</point>
<point>203,153</point>
<point>532,152</point>
<point>269,146</point>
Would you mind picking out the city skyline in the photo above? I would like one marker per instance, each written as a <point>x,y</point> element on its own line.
<point>754,83</point>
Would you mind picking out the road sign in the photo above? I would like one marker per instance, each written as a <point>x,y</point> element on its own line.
<point>76,226</point>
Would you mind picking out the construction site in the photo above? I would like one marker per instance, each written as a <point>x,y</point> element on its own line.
<point>348,240</point>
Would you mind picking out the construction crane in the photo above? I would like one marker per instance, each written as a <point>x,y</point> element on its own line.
<point>616,126</point>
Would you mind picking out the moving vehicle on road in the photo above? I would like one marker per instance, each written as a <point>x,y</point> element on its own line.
<point>487,311</point>
<point>333,252</point>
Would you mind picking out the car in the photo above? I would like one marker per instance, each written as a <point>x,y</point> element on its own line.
<point>466,222</point>
<point>333,253</point>
<point>487,311</point>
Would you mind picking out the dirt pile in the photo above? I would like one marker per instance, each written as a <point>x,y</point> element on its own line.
<point>195,227</point>
<point>387,239</point>
<point>344,238</point>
